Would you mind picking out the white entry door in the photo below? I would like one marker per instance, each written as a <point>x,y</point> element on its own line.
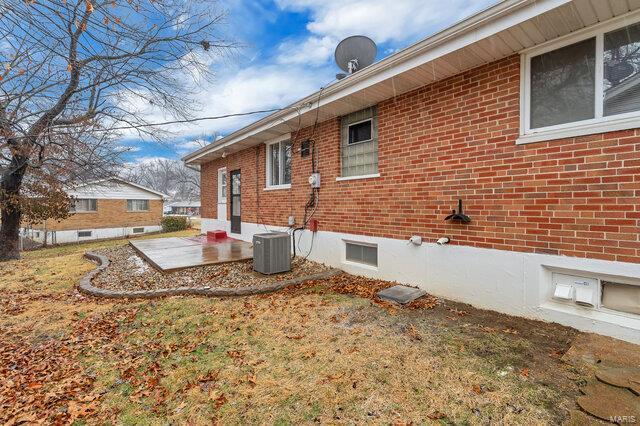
<point>222,193</point>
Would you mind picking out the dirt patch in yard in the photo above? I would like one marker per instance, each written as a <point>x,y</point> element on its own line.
<point>127,271</point>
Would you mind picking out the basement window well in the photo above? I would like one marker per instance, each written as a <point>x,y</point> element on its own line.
<point>366,254</point>
<point>596,293</point>
<point>621,297</point>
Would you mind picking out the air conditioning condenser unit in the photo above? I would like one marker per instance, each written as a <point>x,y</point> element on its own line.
<point>272,252</point>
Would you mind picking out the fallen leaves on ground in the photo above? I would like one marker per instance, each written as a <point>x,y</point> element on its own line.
<point>367,288</point>
<point>44,382</point>
<point>436,415</point>
<point>292,356</point>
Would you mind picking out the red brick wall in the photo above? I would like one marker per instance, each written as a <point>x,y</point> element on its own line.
<point>456,139</point>
<point>109,214</point>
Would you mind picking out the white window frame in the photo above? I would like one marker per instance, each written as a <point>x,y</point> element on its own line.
<point>268,144</point>
<point>76,211</point>
<point>600,123</point>
<point>356,263</point>
<point>370,120</point>
<point>373,132</point>
<point>148,209</point>
<point>222,193</point>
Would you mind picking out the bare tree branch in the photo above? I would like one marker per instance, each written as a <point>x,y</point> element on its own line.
<point>78,72</point>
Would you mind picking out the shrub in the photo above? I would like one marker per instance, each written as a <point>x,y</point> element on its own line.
<point>174,223</point>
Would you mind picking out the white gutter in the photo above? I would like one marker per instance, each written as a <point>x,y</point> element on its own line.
<point>468,31</point>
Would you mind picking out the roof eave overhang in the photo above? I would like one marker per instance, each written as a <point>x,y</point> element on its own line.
<point>473,29</point>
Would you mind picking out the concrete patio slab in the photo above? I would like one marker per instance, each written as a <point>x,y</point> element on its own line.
<point>401,294</point>
<point>172,254</point>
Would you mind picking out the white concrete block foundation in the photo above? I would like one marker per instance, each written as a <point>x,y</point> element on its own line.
<point>509,282</point>
<point>73,236</point>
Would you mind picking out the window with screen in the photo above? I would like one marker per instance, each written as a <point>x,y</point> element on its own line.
<point>84,205</point>
<point>588,86</point>
<point>563,85</point>
<point>137,205</point>
<point>361,253</point>
<point>622,70</point>
<point>279,163</point>
<point>84,234</point>
<point>359,143</point>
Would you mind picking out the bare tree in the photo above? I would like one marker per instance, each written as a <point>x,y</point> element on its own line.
<point>170,177</point>
<point>75,71</point>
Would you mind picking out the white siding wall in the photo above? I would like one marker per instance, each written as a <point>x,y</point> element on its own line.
<point>113,191</point>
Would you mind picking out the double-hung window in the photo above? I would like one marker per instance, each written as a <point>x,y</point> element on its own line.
<point>585,85</point>
<point>138,205</point>
<point>84,205</point>
<point>279,164</point>
<point>222,185</point>
<point>359,143</point>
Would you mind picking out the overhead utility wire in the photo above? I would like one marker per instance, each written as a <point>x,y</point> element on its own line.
<point>166,123</point>
<point>190,120</point>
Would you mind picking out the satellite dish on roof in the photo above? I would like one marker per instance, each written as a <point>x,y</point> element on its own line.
<point>354,53</point>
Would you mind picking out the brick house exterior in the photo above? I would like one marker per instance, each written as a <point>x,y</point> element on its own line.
<point>540,212</point>
<point>110,216</point>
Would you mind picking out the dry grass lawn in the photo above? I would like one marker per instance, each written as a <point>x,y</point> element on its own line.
<point>306,355</point>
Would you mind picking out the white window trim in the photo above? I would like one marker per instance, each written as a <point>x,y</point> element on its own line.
<point>277,187</point>
<point>222,195</point>
<point>600,123</point>
<point>267,178</point>
<point>148,209</point>
<point>375,175</point>
<point>358,264</point>
<point>370,120</point>
<point>84,211</point>
<point>342,145</point>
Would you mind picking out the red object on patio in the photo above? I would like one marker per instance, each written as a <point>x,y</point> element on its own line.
<point>313,225</point>
<point>218,234</point>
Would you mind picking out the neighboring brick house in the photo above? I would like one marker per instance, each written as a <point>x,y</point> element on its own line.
<point>110,208</point>
<point>528,112</point>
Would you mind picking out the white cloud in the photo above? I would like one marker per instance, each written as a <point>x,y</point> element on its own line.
<point>302,64</point>
<point>312,51</point>
<point>144,160</point>
<point>186,146</point>
<point>128,148</point>
<point>382,20</point>
<point>250,89</point>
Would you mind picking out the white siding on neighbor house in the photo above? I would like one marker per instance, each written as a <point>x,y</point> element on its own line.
<point>111,190</point>
<point>509,282</point>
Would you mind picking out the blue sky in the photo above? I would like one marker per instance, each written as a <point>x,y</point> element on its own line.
<point>288,54</point>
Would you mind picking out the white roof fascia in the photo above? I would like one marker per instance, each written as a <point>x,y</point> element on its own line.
<point>484,24</point>
<point>97,182</point>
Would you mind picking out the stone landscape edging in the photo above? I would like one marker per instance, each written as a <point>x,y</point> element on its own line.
<point>86,286</point>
